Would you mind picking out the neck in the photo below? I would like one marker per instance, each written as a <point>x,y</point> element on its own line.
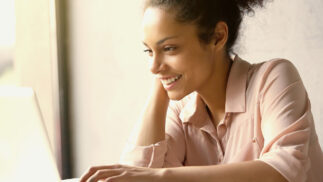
<point>214,92</point>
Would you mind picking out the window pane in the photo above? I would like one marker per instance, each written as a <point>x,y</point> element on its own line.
<point>7,42</point>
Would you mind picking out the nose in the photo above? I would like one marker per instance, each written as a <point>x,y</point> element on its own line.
<point>157,65</point>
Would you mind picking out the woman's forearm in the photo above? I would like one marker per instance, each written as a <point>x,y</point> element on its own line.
<point>152,128</point>
<point>251,171</point>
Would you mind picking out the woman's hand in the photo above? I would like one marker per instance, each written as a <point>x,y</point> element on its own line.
<point>121,173</point>
<point>159,91</point>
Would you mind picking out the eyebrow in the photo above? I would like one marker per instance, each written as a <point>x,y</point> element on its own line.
<point>163,40</point>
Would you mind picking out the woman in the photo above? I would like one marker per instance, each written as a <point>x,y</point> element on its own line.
<point>219,116</point>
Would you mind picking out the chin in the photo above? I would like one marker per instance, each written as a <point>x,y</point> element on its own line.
<point>176,96</point>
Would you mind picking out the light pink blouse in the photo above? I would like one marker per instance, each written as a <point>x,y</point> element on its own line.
<point>267,117</point>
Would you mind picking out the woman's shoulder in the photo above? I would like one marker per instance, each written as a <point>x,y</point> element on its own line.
<point>278,68</point>
<point>272,78</point>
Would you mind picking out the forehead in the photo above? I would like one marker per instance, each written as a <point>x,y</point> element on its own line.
<point>158,23</point>
<point>155,15</point>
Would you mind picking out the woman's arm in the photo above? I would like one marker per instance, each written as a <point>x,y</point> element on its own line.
<point>158,140</point>
<point>251,171</point>
<point>152,128</point>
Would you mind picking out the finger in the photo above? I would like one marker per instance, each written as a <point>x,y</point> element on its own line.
<point>94,169</point>
<point>104,173</point>
<point>115,178</point>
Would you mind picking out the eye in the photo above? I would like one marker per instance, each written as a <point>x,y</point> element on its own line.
<point>149,52</point>
<point>170,48</point>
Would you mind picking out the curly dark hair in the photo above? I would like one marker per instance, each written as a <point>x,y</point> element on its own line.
<point>207,13</point>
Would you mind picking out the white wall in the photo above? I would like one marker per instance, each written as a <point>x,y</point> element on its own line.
<point>110,77</point>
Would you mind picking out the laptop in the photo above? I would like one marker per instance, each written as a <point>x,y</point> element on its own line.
<point>25,152</point>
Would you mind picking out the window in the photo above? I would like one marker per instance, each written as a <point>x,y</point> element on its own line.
<point>7,43</point>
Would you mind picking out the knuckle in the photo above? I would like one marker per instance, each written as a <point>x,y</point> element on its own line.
<point>91,180</point>
<point>91,169</point>
<point>98,173</point>
<point>118,166</point>
<point>125,173</point>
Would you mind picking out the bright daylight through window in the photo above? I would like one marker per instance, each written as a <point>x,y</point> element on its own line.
<point>7,42</point>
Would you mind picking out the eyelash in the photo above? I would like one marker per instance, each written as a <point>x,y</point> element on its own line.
<point>170,48</point>
<point>149,51</point>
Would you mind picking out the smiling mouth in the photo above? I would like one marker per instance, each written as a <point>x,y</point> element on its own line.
<point>169,81</point>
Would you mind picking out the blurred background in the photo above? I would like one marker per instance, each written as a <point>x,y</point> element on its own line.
<point>85,61</point>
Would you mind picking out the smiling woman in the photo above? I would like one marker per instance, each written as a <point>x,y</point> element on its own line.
<point>213,116</point>
<point>180,61</point>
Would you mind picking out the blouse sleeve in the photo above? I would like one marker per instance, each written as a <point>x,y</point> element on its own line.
<point>286,121</point>
<point>167,153</point>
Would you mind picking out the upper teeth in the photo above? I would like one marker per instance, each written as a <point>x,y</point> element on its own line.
<point>170,80</point>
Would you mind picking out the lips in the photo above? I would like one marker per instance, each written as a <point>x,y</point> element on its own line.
<point>170,82</point>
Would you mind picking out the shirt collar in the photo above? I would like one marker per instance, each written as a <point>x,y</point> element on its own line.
<point>237,86</point>
<point>195,109</point>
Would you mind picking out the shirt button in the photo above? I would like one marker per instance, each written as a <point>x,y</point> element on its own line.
<point>254,140</point>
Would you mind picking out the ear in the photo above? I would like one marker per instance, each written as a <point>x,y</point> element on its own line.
<point>220,36</point>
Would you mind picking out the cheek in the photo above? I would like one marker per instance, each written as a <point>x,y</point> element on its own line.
<point>194,65</point>
<point>200,62</point>
<point>201,72</point>
<point>178,64</point>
